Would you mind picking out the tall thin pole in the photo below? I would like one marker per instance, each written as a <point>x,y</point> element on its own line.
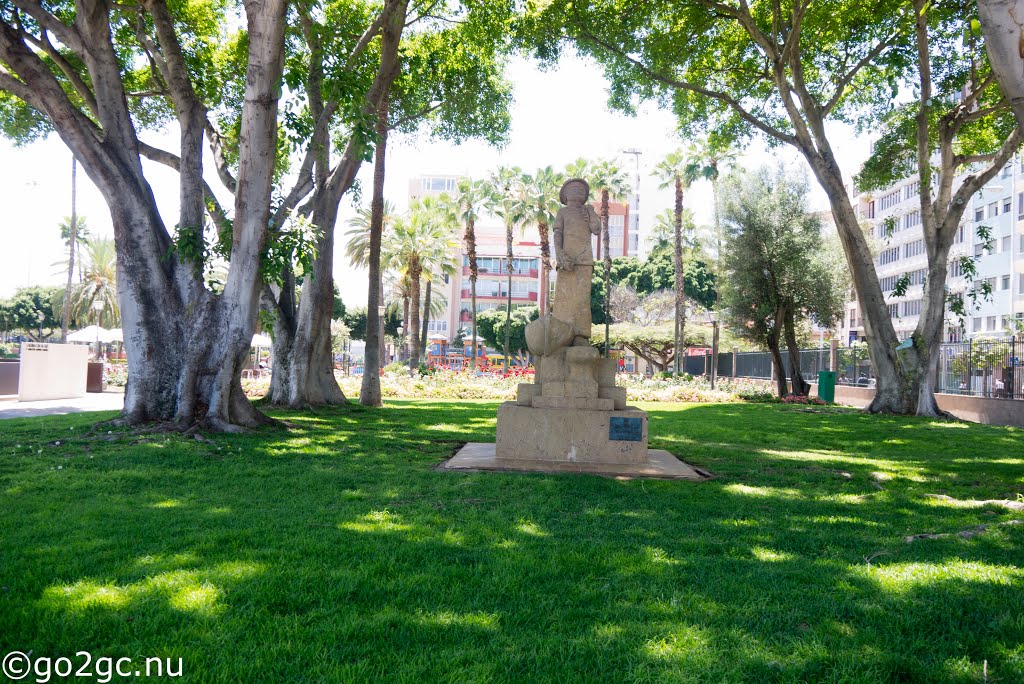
<point>72,239</point>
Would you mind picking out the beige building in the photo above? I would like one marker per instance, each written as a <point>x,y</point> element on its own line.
<point>492,284</point>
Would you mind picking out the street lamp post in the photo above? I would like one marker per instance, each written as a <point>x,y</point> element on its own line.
<point>97,306</point>
<point>712,318</point>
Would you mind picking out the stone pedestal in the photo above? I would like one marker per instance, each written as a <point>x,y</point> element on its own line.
<point>572,414</point>
<point>571,435</point>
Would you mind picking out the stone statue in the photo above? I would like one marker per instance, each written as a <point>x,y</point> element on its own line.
<point>574,225</point>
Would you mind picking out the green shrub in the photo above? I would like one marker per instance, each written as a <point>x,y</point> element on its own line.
<point>759,397</point>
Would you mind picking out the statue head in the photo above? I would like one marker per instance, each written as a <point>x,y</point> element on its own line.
<point>575,192</point>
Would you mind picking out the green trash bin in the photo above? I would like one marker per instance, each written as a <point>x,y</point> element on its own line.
<point>827,385</point>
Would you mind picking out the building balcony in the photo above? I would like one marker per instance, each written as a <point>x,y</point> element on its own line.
<point>531,273</point>
<point>529,297</point>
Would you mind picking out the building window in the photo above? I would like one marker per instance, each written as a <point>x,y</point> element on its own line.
<point>979,214</point>
<point>912,308</point>
<point>993,209</point>
<point>912,249</point>
<point>1007,205</point>
<point>1007,243</point>
<point>894,311</point>
<point>911,189</point>
<point>979,249</point>
<point>956,268</point>
<point>1020,284</point>
<point>1006,282</point>
<point>960,235</point>
<point>976,325</point>
<point>890,200</point>
<point>912,219</point>
<point>853,318</point>
<point>990,323</point>
<point>616,226</point>
<point>889,256</point>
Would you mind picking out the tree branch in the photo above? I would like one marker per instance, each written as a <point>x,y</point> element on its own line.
<point>171,160</point>
<point>68,35</point>
<point>848,77</point>
<point>694,88</point>
<point>220,161</point>
<point>44,44</point>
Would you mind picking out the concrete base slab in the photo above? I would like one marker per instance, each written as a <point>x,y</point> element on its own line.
<point>660,464</point>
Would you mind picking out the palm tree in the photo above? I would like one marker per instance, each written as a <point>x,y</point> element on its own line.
<point>542,195</point>
<point>610,180</point>
<point>99,283</point>
<point>421,244</point>
<point>357,248</point>
<point>471,198</point>
<point>673,171</point>
<point>707,158</point>
<point>436,257</point>
<point>508,201</point>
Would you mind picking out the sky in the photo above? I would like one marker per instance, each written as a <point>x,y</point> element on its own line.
<point>558,116</point>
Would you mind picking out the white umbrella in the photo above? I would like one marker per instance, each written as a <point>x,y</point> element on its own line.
<point>115,335</point>
<point>437,336</point>
<point>260,340</point>
<point>89,334</point>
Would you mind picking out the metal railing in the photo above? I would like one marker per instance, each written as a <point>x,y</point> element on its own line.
<point>981,368</point>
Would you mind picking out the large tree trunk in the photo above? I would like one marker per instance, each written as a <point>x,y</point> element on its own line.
<point>309,376</point>
<point>1003,24</point>
<point>369,392</point>
<point>800,386</point>
<point>928,335</point>
<point>185,345</point>
<point>896,388</point>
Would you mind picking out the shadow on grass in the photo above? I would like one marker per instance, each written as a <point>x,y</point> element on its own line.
<point>336,552</point>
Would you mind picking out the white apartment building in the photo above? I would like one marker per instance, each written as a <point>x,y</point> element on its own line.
<point>998,206</point>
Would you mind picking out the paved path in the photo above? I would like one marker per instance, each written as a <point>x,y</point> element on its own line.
<point>106,401</point>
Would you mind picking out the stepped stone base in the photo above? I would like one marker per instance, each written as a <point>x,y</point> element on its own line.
<point>660,464</point>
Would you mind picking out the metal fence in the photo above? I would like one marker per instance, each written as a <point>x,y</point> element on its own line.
<point>984,368</point>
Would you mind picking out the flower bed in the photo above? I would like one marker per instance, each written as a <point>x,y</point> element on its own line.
<point>501,386</point>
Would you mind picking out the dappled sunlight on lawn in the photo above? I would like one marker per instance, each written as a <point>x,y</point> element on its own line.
<point>377,521</point>
<point>770,556</point>
<point>747,490</point>
<point>486,621</point>
<point>194,591</point>
<point>903,577</point>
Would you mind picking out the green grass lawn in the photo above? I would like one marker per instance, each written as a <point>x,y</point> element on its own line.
<point>336,552</point>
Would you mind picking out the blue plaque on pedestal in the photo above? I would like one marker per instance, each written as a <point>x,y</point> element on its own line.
<point>625,429</point>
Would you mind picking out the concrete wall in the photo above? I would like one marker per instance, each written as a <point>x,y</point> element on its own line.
<point>9,376</point>
<point>975,409</point>
<point>52,371</point>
